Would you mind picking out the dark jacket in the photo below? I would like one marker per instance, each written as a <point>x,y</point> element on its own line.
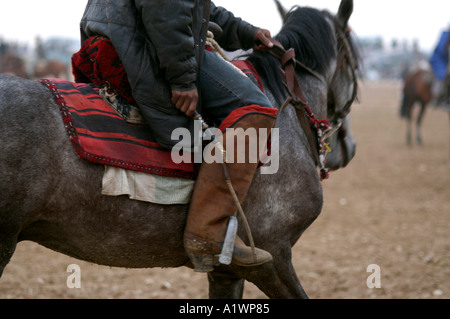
<point>160,43</point>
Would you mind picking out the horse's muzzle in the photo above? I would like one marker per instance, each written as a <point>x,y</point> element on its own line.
<point>343,149</point>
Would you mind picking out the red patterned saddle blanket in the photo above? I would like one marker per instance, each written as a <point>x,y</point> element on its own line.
<point>101,136</point>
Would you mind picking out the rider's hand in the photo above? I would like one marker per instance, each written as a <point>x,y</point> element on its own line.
<point>185,101</point>
<point>262,40</point>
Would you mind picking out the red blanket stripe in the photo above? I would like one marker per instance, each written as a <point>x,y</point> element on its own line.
<point>118,137</point>
<point>237,114</point>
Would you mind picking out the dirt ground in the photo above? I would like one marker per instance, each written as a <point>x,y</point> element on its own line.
<point>390,207</point>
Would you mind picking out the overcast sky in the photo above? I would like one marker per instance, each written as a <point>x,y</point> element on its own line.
<point>23,20</point>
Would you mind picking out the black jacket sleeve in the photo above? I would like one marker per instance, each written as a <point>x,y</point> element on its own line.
<point>168,26</point>
<point>237,33</point>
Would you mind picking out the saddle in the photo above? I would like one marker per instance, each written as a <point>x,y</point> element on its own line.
<point>105,127</point>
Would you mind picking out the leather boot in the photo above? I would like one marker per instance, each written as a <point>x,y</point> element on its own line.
<point>212,204</point>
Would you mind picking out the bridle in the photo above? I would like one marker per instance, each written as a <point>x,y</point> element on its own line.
<point>317,130</point>
<point>345,54</point>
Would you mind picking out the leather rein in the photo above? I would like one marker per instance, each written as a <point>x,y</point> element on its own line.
<point>323,130</point>
<point>298,100</point>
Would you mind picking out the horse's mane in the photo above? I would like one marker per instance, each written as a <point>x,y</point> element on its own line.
<point>306,31</point>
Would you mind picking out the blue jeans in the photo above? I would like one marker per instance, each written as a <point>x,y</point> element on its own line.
<point>223,89</point>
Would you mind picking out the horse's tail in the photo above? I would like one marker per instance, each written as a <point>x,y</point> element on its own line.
<point>404,107</point>
<point>409,93</point>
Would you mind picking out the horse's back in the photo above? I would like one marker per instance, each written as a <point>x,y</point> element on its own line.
<point>28,140</point>
<point>25,123</point>
<point>418,85</point>
<point>49,195</point>
<point>416,88</point>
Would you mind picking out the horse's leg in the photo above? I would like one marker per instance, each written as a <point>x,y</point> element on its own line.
<point>278,280</point>
<point>8,242</point>
<point>419,123</point>
<point>406,112</point>
<point>224,285</point>
<point>448,162</point>
<point>408,116</point>
<point>408,130</point>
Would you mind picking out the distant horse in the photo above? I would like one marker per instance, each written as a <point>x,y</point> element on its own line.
<point>13,65</point>
<point>417,88</point>
<point>51,196</point>
<point>51,68</point>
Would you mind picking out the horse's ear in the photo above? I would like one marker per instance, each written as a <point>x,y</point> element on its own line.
<point>345,11</point>
<point>281,9</point>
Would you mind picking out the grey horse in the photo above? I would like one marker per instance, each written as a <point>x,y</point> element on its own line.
<point>51,196</point>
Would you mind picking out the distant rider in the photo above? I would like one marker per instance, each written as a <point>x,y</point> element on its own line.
<point>439,63</point>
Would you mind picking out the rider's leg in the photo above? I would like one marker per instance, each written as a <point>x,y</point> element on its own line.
<point>212,203</point>
<point>437,92</point>
<point>223,90</point>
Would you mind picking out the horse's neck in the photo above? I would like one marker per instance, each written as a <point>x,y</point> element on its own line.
<point>294,148</point>
<point>292,142</point>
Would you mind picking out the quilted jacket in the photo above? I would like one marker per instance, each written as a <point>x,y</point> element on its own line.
<point>160,42</point>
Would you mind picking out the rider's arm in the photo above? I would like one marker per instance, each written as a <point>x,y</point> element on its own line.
<point>237,33</point>
<point>168,25</point>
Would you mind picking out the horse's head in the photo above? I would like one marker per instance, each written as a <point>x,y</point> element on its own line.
<point>342,89</point>
<point>324,47</point>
